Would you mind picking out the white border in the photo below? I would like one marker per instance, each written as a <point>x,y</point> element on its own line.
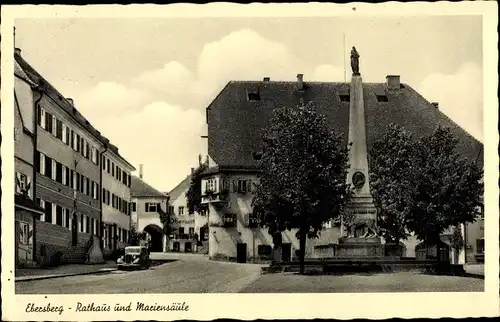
<point>246,306</point>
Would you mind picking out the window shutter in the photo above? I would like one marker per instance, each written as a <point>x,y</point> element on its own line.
<point>18,183</point>
<point>235,185</point>
<point>28,187</point>
<point>249,187</point>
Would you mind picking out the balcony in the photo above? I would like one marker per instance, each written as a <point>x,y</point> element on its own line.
<point>221,198</point>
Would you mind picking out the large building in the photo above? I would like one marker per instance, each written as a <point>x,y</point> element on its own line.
<point>27,212</point>
<point>116,199</point>
<point>145,216</point>
<point>68,183</point>
<point>243,109</point>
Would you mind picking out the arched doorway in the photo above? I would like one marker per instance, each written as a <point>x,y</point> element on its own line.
<point>155,237</point>
<point>177,247</point>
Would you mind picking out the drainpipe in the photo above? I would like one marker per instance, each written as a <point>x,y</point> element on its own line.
<point>35,143</point>
<point>101,228</point>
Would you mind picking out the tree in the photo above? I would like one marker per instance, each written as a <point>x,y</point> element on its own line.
<point>391,166</point>
<point>447,187</point>
<point>193,194</point>
<point>165,221</point>
<point>302,183</point>
<point>135,237</point>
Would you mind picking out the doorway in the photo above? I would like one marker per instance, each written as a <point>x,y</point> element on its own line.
<point>286,252</point>
<point>187,247</point>
<point>241,252</point>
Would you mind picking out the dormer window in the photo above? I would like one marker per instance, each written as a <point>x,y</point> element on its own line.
<point>253,96</point>
<point>345,98</point>
<point>382,98</point>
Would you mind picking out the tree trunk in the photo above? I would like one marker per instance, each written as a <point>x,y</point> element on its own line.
<point>302,251</point>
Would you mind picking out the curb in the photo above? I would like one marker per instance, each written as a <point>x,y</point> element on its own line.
<point>44,277</point>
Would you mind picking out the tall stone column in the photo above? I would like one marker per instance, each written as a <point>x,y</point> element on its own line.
<point>359,225</point>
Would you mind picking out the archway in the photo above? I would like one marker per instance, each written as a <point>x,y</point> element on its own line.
<point>155,238</point>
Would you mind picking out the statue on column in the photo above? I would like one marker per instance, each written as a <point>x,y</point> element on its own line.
<point>355,62</point>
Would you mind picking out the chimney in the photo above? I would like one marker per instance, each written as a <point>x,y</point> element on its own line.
<point>70,100</point>
<point>17,51</point>
<point>435,104</point>
<point>141,168</point>
<point>192,171</point>
<point>267,79</point>
<point>300,81</point>
<point>393,82</point>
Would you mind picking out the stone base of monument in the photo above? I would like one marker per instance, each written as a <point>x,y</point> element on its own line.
<point>359,248</point>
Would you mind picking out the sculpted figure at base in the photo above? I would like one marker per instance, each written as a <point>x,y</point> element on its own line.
<point>367,226</point>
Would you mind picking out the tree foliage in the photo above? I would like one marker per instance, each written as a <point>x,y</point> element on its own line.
<point>457,240</point>
<point>193,194</point>
<point>303,166</point>
<point>165,218</point>
<point>447,187</point>
<point>390,161</point>
<point>424,186</point>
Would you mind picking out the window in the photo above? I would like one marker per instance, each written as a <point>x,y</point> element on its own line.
<point>181,211</point>
<point>64,133</point>
<point>210,185</point>
<point>108,197</point>
<point>59,171</point>
<point>191,231</point>
<point>253,221</point>
<point>103,162</point>
<point>344,98</point>
<point>74,141</point>
<point>82,223</point>
<point>134,207</point>
<point>171,210</point>
<point>264,250</point>
<point>59,215</point>
<point>87,226</point>
<point>92,226</point>
<point>22,182</point>
<point>67,218</point>
<point>48,166</point>
<point>242,186</point>
<point>230,220</point>
<point>41,203</point>
<point>48,212</point>
<point>150,207</point>
<point>75,179</point>
<point>88,189</point>
<point>40,162</point>
<point>181,230</point>
<point>480,246</point>
<point>382,98</point>
<point>253,96</point>
<point>63,174</point>
<point>113,169</point>
<point>24,235</point>
<point>41,119</point>
<point>54,170</point>
<point>107,165</point>
<point>54,126</point>
<point>59,129</point>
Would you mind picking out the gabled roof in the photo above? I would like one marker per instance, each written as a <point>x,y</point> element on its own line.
<point>235,123</point>
<point>23,67</point>
<point>19,72</point>
<point>183,186</point>
<point>139,188</point>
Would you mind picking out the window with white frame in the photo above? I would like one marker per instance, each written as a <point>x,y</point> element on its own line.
<point>54,214</point>
<point>181,211</point>
<point>242,186</point>
<point>42,163</point>
<point>64,178</point>
<point>42,118</point>
<point>41,203</point>
<point>64,137</point>
<point>54,169</point>
<point>54,125</point>
<point>210,185</point>
<point>75,141</point>
<point>150,207</point>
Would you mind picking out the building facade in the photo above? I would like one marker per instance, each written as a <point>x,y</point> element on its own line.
<point>27,212</point>
<point>145,215</point>
<point>116,199</point>
<point>67,160</point>
<point>188,228</point>
<point>243,109</point>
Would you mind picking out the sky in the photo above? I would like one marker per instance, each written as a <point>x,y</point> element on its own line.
<point>145,83</point>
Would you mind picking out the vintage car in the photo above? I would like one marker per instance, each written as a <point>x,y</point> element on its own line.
<point>135,257</point>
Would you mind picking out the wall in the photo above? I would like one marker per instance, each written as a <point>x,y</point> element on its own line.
<point>114,186</point>
<point>185,220</point>
<point>24,97</point>
<point>475,231</point>
<point>146,218</point>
